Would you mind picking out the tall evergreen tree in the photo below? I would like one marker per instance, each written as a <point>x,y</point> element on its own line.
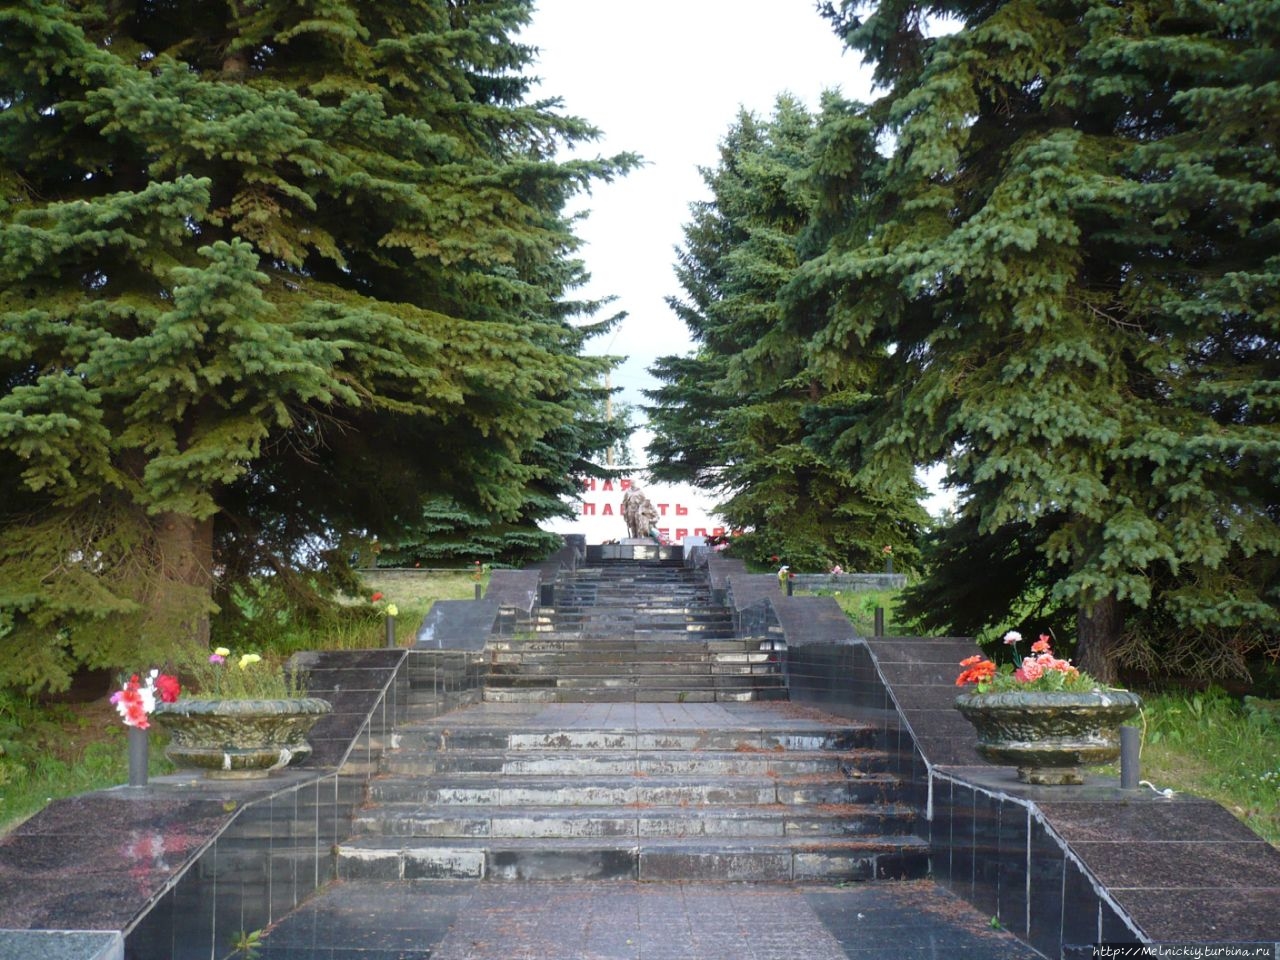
<point>735,415</point>
<point>273,277</point>
<point>1073,265</point>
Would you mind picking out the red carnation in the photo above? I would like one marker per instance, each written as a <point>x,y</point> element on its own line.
<point>168,688</point>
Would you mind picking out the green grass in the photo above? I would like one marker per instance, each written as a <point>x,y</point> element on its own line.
<point>1208,743</point>
<point>359,622</point>
<point>860,607</point>
<point>415,592</point>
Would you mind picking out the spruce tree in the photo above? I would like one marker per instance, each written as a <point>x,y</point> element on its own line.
<point>1072,261</point>
<point>736,416</point>
<point>273,278</point>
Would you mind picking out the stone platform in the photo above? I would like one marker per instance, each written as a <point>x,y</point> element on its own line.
<point>620,920</point>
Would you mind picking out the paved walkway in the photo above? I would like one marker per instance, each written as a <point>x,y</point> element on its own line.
<point>479,920</point>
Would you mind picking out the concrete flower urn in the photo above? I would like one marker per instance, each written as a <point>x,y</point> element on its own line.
<point>239,739</point>
<point>1048,735</point>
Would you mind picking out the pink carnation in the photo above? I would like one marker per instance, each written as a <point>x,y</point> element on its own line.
<point>1032,669</point>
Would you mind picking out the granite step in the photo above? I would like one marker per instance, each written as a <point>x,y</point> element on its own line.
<point>426,762</point>
<point>447,735</point>
<point>755,860</point>
<point>632,695</point>
<point>640,682</point>
<point>638,677</point>
<point>780,820</point>
<point>540,664</point>
<point>543,791</point>
<point>577,649</point>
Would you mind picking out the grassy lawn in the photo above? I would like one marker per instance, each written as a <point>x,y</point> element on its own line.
<point>50,751</point>
<point>415,591</point>
<point>1210,744</point>
<point>860,607</point>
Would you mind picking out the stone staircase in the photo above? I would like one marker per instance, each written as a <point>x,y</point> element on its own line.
<point>742,791</point>
<point>624,737</point>
<point>644,631</point>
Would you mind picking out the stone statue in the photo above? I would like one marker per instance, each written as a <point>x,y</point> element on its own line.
<point>640,515</point>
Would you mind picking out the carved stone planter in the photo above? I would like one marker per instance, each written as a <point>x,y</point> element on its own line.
<point>239,739</point>
<point>1049,735</point>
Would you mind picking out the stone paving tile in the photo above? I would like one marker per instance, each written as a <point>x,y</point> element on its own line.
<point>636,922</point>
<point>464,920</point>
<point>911,920</point>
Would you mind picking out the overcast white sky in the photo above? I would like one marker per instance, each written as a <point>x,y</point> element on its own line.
<point>665,79</point>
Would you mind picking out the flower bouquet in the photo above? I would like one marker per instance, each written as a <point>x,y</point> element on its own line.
<point>1043,715</point>
<point>250,716</point>
<point>1040,671</point>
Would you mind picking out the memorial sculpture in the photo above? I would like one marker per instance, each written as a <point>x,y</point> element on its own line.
<point>640,515</point>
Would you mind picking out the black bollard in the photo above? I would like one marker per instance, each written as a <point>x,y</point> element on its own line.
<point>791,587</point>
<point>1130,740</point>
<point>391,630</point>
<point>879,627</point>
<point>139,746</point>
<point>479,591</point>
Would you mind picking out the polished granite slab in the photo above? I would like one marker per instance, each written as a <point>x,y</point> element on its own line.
<point>61,945</point>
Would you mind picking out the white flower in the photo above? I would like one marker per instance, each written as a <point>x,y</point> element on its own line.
<point>1013,636</point>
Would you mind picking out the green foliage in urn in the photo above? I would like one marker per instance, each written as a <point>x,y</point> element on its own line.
<point>1042,671</point>
<point>224,676</point>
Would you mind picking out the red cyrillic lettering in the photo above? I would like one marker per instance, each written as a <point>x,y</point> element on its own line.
<point>607,511</point>
<point>588,509</point>
<point>681,510</point>
<point>608,485</point>
<point>681,533</point>
<point>662,508</point>
<point>625,484</point>
<point>699,531</point>
<point>589,484</point>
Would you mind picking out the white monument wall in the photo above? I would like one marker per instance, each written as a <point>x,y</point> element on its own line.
<point>682,511</point>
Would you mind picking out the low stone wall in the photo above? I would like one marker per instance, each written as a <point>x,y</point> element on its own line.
<point>848,582</point>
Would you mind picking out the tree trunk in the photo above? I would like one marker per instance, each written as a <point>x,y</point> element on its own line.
<point>1098,630</point>
<point>184,595</point>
